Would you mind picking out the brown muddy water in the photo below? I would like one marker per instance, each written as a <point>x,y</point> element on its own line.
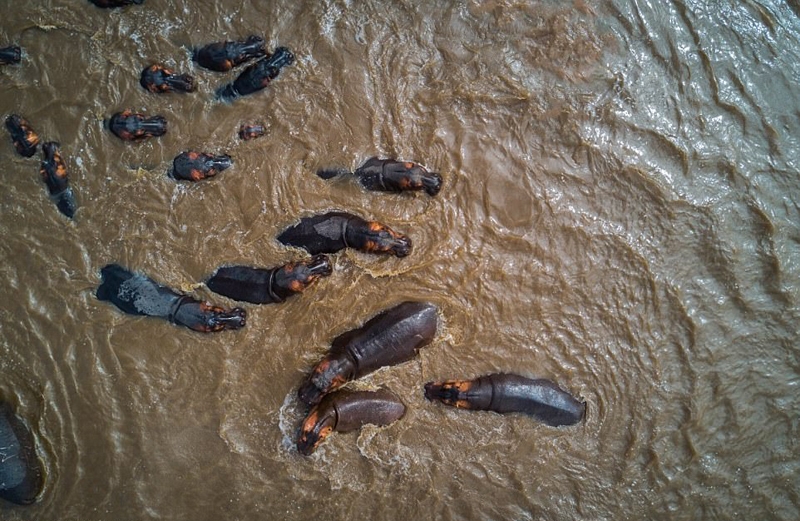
<point>619,215</point>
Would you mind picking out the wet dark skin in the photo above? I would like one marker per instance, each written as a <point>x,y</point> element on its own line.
<point>265,286</point>
<point>508,393</point>
<point>54,174</point>
<point>130,126</point>
<point>257,76</point>
<point>224,56</point>
<point>346,411</point>
<point>196,166</point>
<point>137,294</point>
<point>333,231</point>
<point>22,135</point>
<point>159,80</point>
<point>392,337</point>
<point>389,175</point>
<point>21,473</point>
<point>10,55</point>
<point>115,3</point>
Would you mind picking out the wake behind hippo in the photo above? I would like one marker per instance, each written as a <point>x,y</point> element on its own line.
<point>392,337</point>
<point>137,294</point>
<point>507,393</point>
<point>265,286</point>
<point>333,231</point>
<point>257,76</point>
<point>389,175</point>
<point>21,475</point>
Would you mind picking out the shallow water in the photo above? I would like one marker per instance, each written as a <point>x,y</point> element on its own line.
<point>619,215</point>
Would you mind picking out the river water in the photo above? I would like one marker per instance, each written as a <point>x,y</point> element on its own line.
<point>619,214</point>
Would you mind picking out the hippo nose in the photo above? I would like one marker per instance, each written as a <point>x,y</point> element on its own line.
<point>402,247</point>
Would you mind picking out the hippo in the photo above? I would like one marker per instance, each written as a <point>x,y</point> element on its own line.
<point>10,55</point>
<point>21,474</point>
<point>265,286</point>
<point>158,79</point>
<point>392,337</point>
<point>196,166</point>
<point>346,411</point>
<point>22,135</point>
<point>333,231</point>
<point>390,175</point>
<point>130,126</point>
<point>137,294</point>
<point>54,175</point>
<point>224,56</point>
<point>508,393</point>
<point>257,76</point>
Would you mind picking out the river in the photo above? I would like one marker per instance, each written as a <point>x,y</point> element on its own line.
<point>619,214</point>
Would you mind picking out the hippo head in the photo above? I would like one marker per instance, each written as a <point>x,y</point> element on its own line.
<point>318,425</point>
<point>432,183</point>
<point>296,276</point>
<point>218,319</point>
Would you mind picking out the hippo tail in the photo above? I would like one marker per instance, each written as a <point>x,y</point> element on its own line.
<point>330,173</point>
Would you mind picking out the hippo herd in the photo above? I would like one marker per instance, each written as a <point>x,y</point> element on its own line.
<point>393,336</point>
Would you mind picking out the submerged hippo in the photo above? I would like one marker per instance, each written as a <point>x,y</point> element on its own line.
<point>158,80</point>
<point>265,286</point>
<point>333,231</point>
<point>506,393</point>
<point>10,55</point>
<point>389,175</point>
<point>139,295</point>
<point>54,174</point>
<point>22,135</point>
<point>196,166</point>
<point>130,126</point>
<point>248,132</point>
<point>21,475</point>
<point>258,75</point>
<point>224,56</point>
<point>115,3</point>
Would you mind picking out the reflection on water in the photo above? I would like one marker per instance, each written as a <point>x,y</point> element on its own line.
<point>617,215</point>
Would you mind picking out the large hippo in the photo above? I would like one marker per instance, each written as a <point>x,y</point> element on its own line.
<point>333,231</point>
<point>21,475</point>
<point>139,295</point>
<point>390,175</point>
<point>507,393</point>
<point>131,126</point>
<point>390,338</point>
